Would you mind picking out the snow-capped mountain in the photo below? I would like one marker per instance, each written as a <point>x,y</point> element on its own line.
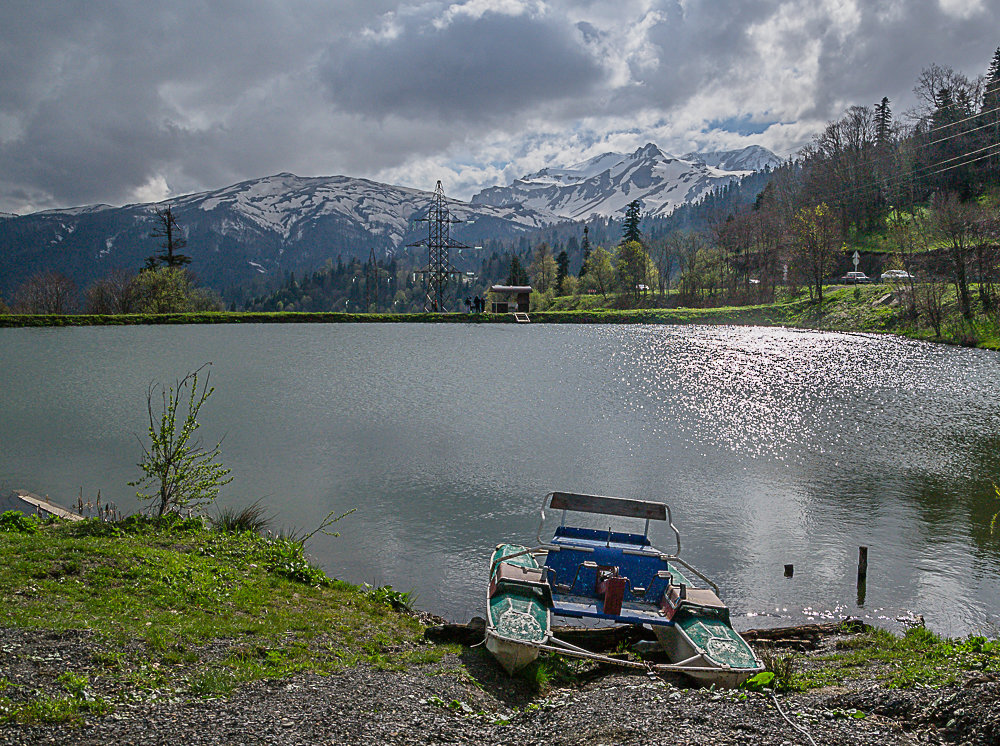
<point>265,227</point>
<point>260,227</point>
<point>606,184</point>
<point>290,207</point>
<point>752,158</point>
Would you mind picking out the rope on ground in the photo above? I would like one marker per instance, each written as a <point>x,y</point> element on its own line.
<point>799,728</point>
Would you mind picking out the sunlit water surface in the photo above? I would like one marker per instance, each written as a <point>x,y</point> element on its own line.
<point>772,446</point>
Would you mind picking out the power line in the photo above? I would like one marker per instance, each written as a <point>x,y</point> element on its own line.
<point>958,134</point>
<point>921,172</point>
<point>966,163</point>
<point>966,119</point>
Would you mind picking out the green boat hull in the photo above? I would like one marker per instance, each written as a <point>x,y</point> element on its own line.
<point>518,620</point>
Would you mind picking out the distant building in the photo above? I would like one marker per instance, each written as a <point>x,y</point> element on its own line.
<point>510,298</point>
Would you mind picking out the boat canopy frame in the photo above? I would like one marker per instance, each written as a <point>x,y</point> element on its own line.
<point>622,507</point>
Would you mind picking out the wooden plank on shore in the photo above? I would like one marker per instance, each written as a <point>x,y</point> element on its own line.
<point>609,638</point>
<point>848,626</point>
<point>30,504</point>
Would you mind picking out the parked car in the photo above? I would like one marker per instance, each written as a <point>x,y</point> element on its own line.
<point>855,278</point>
<point>896,275</point>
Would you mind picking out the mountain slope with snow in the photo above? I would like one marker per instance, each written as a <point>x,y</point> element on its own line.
<point>606,184</point>
<point>259,227</point>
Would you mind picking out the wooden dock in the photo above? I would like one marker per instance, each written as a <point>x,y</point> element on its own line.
<point>32,504</point>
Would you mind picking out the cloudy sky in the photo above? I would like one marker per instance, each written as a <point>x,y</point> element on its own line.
<point>127,101</point>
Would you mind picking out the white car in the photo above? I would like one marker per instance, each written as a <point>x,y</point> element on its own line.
<point>855,278</point>
<point>896,275</point>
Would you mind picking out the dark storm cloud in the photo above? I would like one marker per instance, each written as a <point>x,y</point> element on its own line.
<point>694,45</point>
<point>97,98</point>
<point>861,50</point>
<point>886,55</point>
<point>104,101</point>
<point>473,68</point>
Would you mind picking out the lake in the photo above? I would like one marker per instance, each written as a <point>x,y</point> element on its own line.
<point>772,447</point>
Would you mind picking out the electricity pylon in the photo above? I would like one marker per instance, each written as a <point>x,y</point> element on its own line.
<point>439,243</point>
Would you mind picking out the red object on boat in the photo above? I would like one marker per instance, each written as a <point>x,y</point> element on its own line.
<point>614,593</point>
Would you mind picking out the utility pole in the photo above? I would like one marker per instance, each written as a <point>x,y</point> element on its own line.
<point>439,243</point>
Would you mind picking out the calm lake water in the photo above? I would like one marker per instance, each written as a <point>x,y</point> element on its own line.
<point>772,446</point>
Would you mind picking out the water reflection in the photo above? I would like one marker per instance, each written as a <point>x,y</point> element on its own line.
<point>773,446</point>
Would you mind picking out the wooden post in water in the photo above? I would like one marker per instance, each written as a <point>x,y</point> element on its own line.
<point>862,574</point>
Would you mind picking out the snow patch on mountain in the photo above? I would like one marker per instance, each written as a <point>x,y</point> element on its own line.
<point>285,203</point>
<point>606,184</point>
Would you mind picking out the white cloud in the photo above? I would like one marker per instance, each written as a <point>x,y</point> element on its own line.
<point>962,8</point>
<point>154,190</point>
<point>476,9</point>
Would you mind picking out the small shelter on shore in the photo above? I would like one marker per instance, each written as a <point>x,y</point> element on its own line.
<point>510,298</point>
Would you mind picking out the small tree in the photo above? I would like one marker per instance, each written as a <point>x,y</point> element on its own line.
<point>162,290</point>
<point>634,269</point>
<point>46,292</point>
<point>957,223</point>
<point>178,471</point>
<point>543,270</point>
<point>815,245</point>
<point>562,271</point>
<point>930,297</point>
<point>600,272</point>
<point>116,293</point>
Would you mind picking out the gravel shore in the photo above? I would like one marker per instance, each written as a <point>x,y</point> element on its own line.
<point>466,699</point>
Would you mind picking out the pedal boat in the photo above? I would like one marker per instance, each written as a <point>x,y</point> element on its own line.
<point>616,577</point>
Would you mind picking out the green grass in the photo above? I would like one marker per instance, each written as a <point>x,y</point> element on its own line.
<point>917,658</point>
<point>209,609</point>
<point>866,308</point>
<point>242,317</point>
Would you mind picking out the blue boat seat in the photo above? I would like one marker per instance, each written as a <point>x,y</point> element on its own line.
<point>583,552</point>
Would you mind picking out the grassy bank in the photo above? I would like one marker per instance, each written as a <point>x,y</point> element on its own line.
<point>102,616</point>
<point>919,658</point>
<point>869,308</point>
<point>173,608</point>
<point>239,317</point>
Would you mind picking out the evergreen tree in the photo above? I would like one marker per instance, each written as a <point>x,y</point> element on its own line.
<point>585,247</point>
<point>173,241</point>
<point>562,269</point>
<point>991,113</point>
<point>517,274</point>
<point>630,230</point>
<point>883,122</point>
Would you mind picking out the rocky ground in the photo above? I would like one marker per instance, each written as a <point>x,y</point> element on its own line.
<point>466,699</point>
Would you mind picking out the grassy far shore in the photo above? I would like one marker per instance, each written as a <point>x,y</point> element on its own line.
<point>176,608</point>
<point>871,308</point>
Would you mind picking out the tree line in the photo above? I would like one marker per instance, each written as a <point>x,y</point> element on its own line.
<point>164,284</point>
<point>917,193</point>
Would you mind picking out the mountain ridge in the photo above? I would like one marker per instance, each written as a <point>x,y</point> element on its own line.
<point>283,222</point>
<point>605,184</point>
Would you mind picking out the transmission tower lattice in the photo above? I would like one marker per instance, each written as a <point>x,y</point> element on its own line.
<point>439,243</point>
